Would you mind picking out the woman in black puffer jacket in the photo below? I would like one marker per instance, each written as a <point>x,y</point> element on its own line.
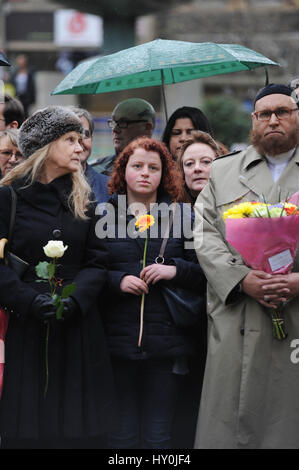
<point>147,373</point>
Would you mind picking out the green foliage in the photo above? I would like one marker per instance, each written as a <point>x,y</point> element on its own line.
<point>42,270</point>
<point>229,121</point>
<point>68,290</point>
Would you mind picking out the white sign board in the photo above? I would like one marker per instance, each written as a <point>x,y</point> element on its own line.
<point>75,29</point>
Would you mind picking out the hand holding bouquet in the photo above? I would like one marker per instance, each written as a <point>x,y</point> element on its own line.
<point>266,236</point>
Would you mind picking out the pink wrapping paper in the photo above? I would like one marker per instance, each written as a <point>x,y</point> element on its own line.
<point>266,244</point>
<point>294,199</point>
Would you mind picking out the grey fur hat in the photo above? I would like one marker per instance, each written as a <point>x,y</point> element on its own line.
<point>45,126</point>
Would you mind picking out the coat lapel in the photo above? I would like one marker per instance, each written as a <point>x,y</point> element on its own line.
<point>255,174</point>
<point>45,195</point>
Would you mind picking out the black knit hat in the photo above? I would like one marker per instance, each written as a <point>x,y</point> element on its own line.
<point>273,89</point>
<point>45,126</point>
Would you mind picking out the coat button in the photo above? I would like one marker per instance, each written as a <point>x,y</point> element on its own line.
<point>242,331</point>
<point>56,233</point>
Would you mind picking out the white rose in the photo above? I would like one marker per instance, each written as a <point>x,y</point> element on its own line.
<point>54,249</point>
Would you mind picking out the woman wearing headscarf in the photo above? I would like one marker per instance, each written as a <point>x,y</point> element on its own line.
<point>180,126</point>
<point>54,202</point>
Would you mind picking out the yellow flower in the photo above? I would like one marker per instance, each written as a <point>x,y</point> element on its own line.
<point>144,222</point>
<point>288,205</point>
<point>239,211</point>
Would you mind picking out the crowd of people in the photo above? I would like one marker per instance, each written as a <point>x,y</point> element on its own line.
<point>121,371</point>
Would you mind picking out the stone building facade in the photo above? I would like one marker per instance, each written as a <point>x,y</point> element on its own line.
<point>269,27</point>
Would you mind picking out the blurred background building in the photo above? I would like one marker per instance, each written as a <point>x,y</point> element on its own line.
<point>56,36</point>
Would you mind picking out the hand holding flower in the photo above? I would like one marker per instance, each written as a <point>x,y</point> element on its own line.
<point>282,284</point>
<point>266,235</point>
<point>143,223</point>
<point>292,280</point>
<point>256,284</point>
<point>133,285</point>
<point>156,272</point>
<point>53,305</point>
<point>70,308</point>
<point>252,285</point>
<point>42,307</point>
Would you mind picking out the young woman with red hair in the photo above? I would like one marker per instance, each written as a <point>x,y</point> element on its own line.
<point>148,368</point>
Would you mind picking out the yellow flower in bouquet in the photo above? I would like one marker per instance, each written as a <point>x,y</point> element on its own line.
<point>290,209</point>
<point>244,209</point>
<point>281,209</point>
<point>260,209</point>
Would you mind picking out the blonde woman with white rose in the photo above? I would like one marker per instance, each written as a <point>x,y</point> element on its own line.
<point>54,204</point>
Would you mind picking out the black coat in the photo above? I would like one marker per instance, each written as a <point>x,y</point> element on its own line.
<point>161,338</point>
<point>78,400</point>
<point>98,184</point>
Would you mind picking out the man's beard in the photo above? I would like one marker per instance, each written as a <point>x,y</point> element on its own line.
<point>275,144</point>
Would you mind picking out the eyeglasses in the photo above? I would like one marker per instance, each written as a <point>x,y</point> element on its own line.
<point>8,154</point>
<point>86,134</point>
<point>280,113</point>
<point>122,124</point>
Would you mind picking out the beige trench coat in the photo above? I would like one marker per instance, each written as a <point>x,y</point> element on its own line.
<point>250,395</point>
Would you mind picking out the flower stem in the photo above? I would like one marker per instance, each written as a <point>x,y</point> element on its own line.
<point>141,319</point>
<point>52,278</point>
<point>277,325</point>
<point>144,252</point>
<point>143,297</point>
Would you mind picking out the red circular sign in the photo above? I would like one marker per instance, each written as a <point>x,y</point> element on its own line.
<point>77,23</point>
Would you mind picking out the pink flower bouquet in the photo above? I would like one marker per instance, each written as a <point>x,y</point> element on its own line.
<point>266,236</point>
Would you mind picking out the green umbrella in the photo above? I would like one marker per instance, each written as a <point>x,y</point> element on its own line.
<point>159,62</point>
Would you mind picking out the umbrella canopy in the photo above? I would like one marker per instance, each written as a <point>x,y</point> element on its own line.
<point>3,60</point>
<point>158,62</point>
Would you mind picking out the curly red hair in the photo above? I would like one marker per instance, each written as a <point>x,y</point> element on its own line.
<point>171,180</point>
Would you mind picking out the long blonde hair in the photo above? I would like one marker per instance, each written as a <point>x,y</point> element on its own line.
<point>32,169</point>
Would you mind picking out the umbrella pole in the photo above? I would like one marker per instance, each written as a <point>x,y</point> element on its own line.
<point>267,76</point>
<point>164,97</point>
